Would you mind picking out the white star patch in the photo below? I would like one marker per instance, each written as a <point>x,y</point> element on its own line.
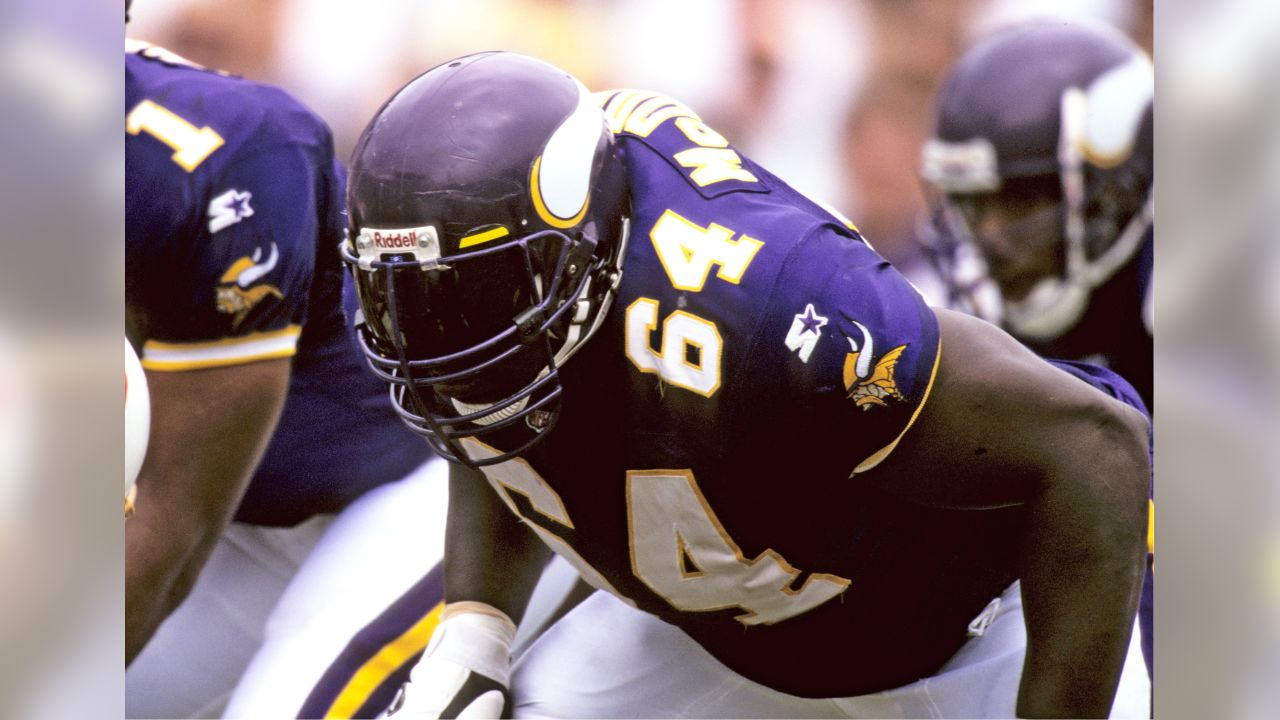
<point>805,330</point>
<point>228,209</point>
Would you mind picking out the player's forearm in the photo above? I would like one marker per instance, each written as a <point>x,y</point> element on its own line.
<point>208,430</point>
<point>490,556</point>
<point>1082,575</point>
<point>161,564</point>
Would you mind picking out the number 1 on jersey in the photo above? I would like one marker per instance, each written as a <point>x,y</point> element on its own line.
<point>191,145</point>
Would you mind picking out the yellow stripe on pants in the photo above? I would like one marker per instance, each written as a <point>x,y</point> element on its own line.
<point>378,668</point>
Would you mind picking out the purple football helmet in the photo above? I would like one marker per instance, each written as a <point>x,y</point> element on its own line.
<point>1041,166</point>
<point>488,214</point>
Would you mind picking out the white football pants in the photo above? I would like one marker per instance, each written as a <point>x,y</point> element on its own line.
<point>606,659</point>
<point>275,609</point>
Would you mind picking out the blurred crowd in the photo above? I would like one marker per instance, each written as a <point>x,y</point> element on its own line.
<point>833,96</point>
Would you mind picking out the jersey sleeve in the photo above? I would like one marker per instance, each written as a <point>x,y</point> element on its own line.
<point>239,287</point>
<point>855,345</point>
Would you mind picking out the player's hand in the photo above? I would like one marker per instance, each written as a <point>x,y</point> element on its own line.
<point>465,670</point>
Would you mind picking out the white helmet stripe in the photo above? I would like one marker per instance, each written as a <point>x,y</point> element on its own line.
<point>563,177</point>
<point>1117,101</point>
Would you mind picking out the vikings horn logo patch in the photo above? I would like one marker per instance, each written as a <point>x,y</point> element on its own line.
<point>870,386</point>
<point>237,294</point>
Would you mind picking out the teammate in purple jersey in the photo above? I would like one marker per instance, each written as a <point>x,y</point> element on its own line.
<point>1042,163</point>
<point>234,297</point>
<point>712,397</point>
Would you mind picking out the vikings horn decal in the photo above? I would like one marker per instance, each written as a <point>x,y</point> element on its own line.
<point>560,181</point>
<point>235,296</point>
<point>1117,102</point>
<point>869,386</point>
<point>248,271</point>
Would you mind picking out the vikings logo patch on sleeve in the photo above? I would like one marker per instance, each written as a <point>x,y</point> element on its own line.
<point>862,346</point>
<point>869,380</point>
<point>237,295</point>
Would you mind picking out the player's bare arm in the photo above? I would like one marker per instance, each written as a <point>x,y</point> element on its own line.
<point>208,430</point>
<point>492,562</point>
<point>1003,427</point>
<point>490,556</point>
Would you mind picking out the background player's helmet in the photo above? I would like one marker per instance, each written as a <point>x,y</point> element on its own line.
<point>1056,119</point>
<point>488,214</point>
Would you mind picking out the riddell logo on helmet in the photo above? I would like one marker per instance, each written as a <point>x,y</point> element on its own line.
<point>395,240</point>
<point>421,242</point>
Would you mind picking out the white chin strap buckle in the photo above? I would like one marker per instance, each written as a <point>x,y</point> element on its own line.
<point>1052,308</point>
<point>493,417</point>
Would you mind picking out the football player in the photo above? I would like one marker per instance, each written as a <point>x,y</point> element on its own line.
<point>260,539</point>
<point>1042,167</point>
<point>1042,164</point>
<point>799,490</point>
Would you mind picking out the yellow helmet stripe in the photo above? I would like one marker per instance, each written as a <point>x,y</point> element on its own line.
<point>483,237</point>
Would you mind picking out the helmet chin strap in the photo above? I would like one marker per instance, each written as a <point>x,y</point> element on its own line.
<point>464,408</point>
<point>1048,311</point>
<point>574,337</point>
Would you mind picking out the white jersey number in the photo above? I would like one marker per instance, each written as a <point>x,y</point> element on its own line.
<point>518,476</point>
<point>687,251</point>
<point>679,549</point>
<point>682,552</point>
<point>691,347</point>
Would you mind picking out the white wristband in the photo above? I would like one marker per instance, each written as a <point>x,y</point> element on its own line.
<point>477,637</point>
